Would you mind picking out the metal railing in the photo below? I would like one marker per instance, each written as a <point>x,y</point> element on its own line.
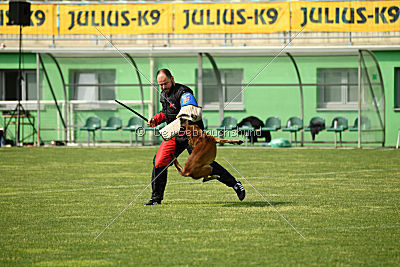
<point>72,127</point>
<point>213,40</point>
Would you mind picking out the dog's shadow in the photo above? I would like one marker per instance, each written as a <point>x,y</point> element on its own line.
<point>252,204</point>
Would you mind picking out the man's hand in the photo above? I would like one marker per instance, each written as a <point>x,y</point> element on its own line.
<point>151,122</point>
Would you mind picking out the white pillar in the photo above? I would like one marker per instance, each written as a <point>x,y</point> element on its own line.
<point>152,104</point>
<point>200,79</point>
<point>359,101</point>
<point>38,99</point>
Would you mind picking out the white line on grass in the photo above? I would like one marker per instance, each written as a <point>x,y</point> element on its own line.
<point>194,182</point>
<point>85,189</point>
<point>323,173</point>
<point>266,200</point>
<point>263,229</point>
<point>211,230</point>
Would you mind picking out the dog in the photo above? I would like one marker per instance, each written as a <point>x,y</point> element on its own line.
<point>204,152</point>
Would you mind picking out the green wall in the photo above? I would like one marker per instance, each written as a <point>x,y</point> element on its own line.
<point>388,61</point>
<point>259,101</point>
<point>262,101</point>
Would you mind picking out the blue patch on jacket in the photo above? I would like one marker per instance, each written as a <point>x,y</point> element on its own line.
<point>188,99</point>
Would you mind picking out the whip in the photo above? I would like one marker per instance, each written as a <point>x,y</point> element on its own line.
<point>125,106</point>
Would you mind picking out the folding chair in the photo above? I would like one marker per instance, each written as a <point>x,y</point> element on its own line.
<point>92,124</point>
<point>339,125</point>
<point>293,125</point>
<point>134,125</point>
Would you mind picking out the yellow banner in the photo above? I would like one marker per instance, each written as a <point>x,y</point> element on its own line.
<point>354,16</point>
<point>340,16</point>
<point>232,17</point>
<point>43,20</point>
<point>116,19</point>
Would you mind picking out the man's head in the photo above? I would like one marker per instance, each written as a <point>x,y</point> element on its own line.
<point>165,80</point>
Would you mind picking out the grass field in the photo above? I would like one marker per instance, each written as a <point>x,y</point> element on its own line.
<point>54,201</point>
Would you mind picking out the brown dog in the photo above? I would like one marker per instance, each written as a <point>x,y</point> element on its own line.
<point>204,152</point>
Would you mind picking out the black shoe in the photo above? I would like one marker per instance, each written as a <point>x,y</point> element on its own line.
<point>239,189</point>
<point>153,202</point>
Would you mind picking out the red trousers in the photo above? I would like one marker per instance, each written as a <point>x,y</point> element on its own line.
<point>164,157</point>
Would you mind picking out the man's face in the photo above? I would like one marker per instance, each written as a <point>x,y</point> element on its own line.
<point>165,83</point>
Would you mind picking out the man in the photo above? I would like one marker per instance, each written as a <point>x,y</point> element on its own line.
<point>173,97</point>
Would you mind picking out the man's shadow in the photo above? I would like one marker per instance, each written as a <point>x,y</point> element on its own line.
<point>252,204</point>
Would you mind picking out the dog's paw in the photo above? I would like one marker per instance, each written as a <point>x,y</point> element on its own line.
<point>206,179</point>
<point>209,178</point>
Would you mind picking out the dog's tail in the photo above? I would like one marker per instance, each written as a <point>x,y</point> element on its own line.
<point>178,166</point>
<point>223,141</point>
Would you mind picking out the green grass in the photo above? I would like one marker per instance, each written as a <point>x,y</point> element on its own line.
<point>54,201</point>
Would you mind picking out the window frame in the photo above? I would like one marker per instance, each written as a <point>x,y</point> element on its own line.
<point>344,103</point>
<point>397,88</point>
<point>97,104</point>
<point>98,73</point>
<point>24,89</point>
<point>29,104</point>
<point>212,106</point>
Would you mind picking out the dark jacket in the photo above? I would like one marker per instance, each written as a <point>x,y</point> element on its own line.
<point>171,103</point>
<point>256,123</point>
<point>315,128</point>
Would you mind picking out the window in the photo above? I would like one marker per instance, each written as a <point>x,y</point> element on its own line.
<point>8,85</point>
<point>343,93</point>
<point>87,85</point>
<point>397,89</point>
<point>232,80</point>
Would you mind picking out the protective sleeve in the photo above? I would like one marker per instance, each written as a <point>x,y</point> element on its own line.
<point>188,99</point>
<point>159,118</point>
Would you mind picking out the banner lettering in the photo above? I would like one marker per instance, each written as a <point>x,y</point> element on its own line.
<point>232,18</point>
<point>43,18</point>
<point>354,16</point>
<point>116,19</point>
<point>192,18</point>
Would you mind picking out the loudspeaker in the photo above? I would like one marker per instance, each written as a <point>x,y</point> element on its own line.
<point>19,13</point>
